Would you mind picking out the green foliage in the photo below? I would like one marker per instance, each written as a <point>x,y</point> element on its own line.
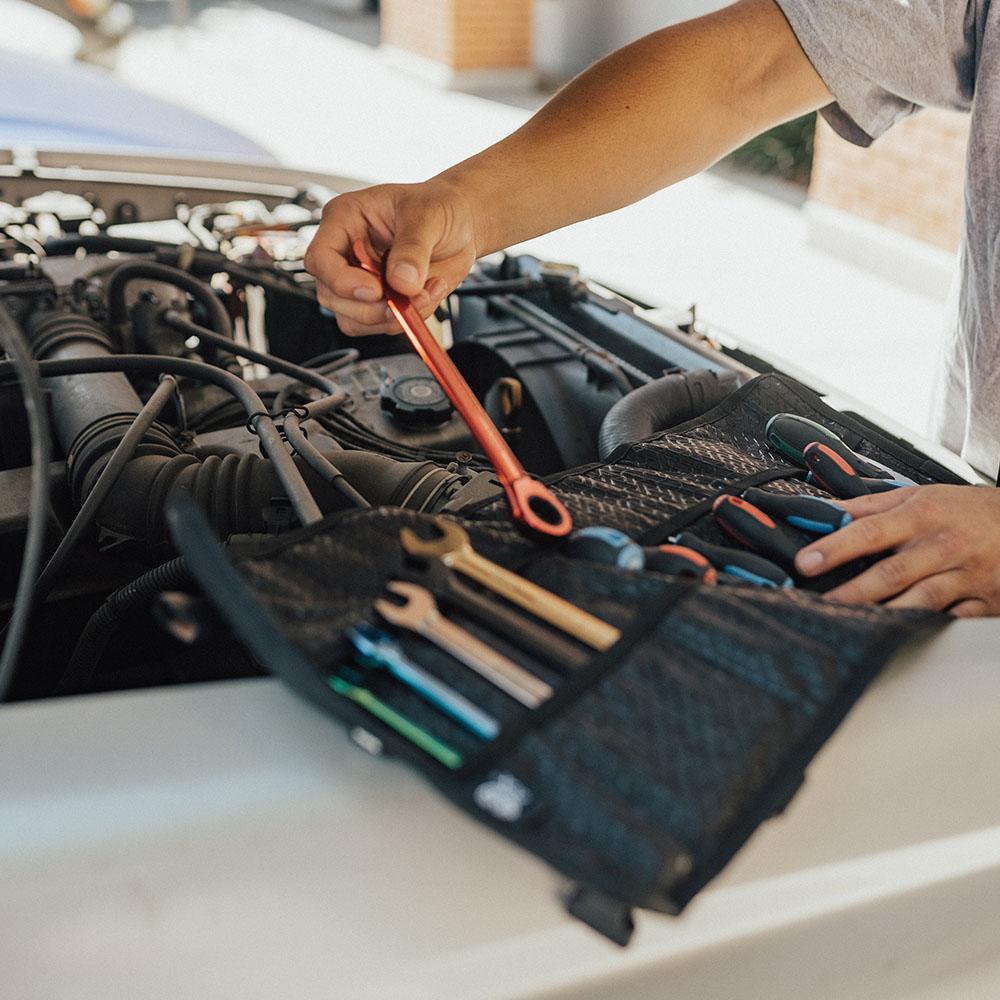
<point>785,151</point>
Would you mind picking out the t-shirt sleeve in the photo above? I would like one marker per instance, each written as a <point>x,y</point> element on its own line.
<point>884,59</point>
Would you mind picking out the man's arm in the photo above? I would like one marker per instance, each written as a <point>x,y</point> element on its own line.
<point>645,117</point>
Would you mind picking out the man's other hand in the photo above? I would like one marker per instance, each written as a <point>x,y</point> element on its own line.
<point>944,543</point>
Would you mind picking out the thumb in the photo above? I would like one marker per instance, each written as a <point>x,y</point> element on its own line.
<point>410,254</point>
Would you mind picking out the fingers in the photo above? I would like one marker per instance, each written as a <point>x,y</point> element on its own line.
<point>351,329</point>
<point>417,232</point>
<point>415,228</point>
<point>863,537</point>
<point>367,314</point>
<point>935,592</point>
<point>381,320</point>
<point>876,503</point>
<point>893,575</point>
<point>328,257</point>
<point>970,609</point>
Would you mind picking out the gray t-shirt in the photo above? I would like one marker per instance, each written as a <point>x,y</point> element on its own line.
<point>882,60</point>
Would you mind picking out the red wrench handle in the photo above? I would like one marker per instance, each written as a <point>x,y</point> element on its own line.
<point>533,505</point>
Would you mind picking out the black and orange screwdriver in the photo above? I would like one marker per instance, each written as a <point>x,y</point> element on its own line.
<point>791,434</point>
<point>833,472</point>
<point>680,560</point>
<point>751,527</point>
<point>735,563</point>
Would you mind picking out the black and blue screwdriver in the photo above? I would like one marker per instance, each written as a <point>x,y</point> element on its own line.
<point>816,515</point>
<point>751,527</point>
<point>743,566</point>
<point>615,548</point>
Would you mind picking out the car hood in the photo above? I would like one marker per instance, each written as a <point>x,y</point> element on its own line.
<point>50,103</point>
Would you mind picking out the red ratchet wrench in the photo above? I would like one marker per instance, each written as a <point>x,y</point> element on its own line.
<point>533,505</point>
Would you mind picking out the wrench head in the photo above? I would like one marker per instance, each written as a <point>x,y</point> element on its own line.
<point>452,539</point>
<point>537,510</point>
<point>419,606</point>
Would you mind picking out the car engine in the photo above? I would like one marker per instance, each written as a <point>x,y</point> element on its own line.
<point>181,347</point>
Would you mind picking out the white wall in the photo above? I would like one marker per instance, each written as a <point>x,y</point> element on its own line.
<point>571,34</point>
<point>627,20</point>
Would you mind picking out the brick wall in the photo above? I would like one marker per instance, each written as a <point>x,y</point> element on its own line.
<point>462,34</point>
<point>911,179</point>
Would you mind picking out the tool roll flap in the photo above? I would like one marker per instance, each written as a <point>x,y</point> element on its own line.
<point>651,761</point>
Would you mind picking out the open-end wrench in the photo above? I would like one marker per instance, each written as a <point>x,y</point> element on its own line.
<point>396,721</point>
<point>379,651</point>
<point>532,504</point>
<point>546,645</point>
<point>455,550</point>
<point>420,614</point>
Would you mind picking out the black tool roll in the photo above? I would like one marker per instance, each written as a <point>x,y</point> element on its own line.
<point>654,761</point>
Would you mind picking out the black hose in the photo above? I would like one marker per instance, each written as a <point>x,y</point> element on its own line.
<point>120,457</point>
<point>175,321</point>
<point>259,419</point>
<point>662,404</point>
<point>333,361</point>
<point>120,277</point>
<point>23,364</point>
<point>309,453</point>
<point>202,262</point>
<point>109,617</point>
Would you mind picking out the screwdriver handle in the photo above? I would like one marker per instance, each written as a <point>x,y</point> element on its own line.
<point>751,527</point>
<point>605,545</point>
<point>744,566</point>
<point>677,560</point>
<point>834,473</point>
<point>816,515</point>
<point>791,434</point>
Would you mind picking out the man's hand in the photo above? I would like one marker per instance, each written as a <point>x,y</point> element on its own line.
<point>429,232</point>
<point>945,543</point>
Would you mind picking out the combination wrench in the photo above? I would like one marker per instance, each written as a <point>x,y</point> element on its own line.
<point>420,614</point>
<point>533,505</point>
<point>455,550</point>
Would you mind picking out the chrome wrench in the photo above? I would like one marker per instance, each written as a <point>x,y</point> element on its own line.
<point>420,614</point>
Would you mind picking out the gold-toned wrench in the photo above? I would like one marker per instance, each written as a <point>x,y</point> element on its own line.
<point>420,614</point>
<point>455,550</point>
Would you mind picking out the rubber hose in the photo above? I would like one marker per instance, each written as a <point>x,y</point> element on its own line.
<point>200,291</point>
<point>662,404</point>
<point>107,620</point>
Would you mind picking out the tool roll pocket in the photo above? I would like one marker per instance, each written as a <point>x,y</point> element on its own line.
<point>653,761</point>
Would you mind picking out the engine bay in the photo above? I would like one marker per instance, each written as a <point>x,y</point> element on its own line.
<point>181,347</point>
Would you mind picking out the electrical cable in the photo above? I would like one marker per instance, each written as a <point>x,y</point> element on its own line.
<point>299,494</point>
<point>322,465</point>
<point>175,321</point>
<point>24,366</point>
<point>105,622</point>
<point>333,361</point>
<point>120,457</point>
